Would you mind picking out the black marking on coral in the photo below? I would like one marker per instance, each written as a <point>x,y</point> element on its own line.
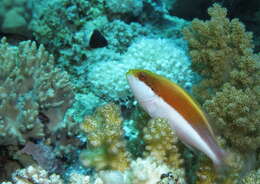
<point>43,118</point>
<point>97,40</point>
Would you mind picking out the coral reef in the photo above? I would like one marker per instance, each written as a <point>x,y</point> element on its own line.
<point>252,178</point>
<point>33,93</point>
<point>141,171</point>
<point>128,6</point>
<point>34,174</point>
<point>120,42</point>
<point>235,113</point>
<point>48,139</point>
<point>161,142</point>
<point>61,14</point>
<point>207,174</point>
<point>107,148</point>
<point>149,171</point>
<point>14,16</point>
<point>219,47</point>
<point>153,54</point>
<point>37,175</point>
<point>222,53</point>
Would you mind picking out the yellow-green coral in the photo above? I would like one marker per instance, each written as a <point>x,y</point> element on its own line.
<point>227,174</point>
<point>207,173</point>
<point>106,145</point>
<point>161,142</point>
<point>235,113</point>
<point>222,52</point>
<point>252,178</point>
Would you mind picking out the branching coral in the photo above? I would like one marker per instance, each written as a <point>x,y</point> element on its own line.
<point>222,52</point>
<point>141,171</point>
<point>37,175</point>
<point>53,30</point>
<point>219,47</point>
<point>34,174</point>
<point>149,171</point>
<point>161,142</point>
<point>128,6</point>
<point>120,42</point>
<point>106,145</point>
<point>207,173</point>
<point>162,56</point>
<point>31,88</point>
<point>252,178</point>
<point>235,113</point>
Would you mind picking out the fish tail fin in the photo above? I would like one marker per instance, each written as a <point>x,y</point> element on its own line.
<point>234,164</point>
<point>225,163</point>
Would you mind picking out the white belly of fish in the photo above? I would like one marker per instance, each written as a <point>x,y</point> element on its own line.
<point>157,107</point>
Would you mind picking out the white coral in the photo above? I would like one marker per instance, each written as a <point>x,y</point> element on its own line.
<point>33,174</point>
<point>162,56</point>
<point>126,6</point>
<point>149,171</point>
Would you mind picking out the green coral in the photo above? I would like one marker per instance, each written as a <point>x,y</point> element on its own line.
<point>235,113</point>
<point>53,30</point>
<point>107,148</point>
<point>252,178</point>
<point>222,53</point>
<point>221,50</point>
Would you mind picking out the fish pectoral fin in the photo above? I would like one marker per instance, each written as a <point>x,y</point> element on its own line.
<point>192,149</point>
<point>150,105</point>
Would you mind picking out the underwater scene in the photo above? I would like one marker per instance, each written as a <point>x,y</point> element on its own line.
<point>129,92</point>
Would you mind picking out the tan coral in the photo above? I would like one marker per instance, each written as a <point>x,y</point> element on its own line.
<point>217,47</point>
<point>222,53</point>
<point>161,142</point>
<point>106,143</point>
<point>31,86</point>
<point>235,113</point>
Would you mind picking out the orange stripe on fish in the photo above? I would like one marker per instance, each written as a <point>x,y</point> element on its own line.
<point>162,98</point>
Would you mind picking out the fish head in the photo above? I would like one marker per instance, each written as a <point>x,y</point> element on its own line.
<point>138,80</point>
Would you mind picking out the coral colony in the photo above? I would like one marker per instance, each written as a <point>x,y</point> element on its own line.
<point>129,92</point>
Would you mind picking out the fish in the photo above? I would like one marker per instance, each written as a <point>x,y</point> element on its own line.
<point>162,98</point>
<point>97,40</point>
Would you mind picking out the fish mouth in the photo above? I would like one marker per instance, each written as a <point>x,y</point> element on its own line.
<point>131,72</point>
<point>135,72</point>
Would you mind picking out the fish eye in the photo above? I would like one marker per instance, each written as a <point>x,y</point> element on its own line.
<point>141,75</point>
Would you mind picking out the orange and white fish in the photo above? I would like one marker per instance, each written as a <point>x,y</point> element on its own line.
<point>161,97</point>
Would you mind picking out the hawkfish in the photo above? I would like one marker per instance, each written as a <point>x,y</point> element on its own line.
<point>160,97</point>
